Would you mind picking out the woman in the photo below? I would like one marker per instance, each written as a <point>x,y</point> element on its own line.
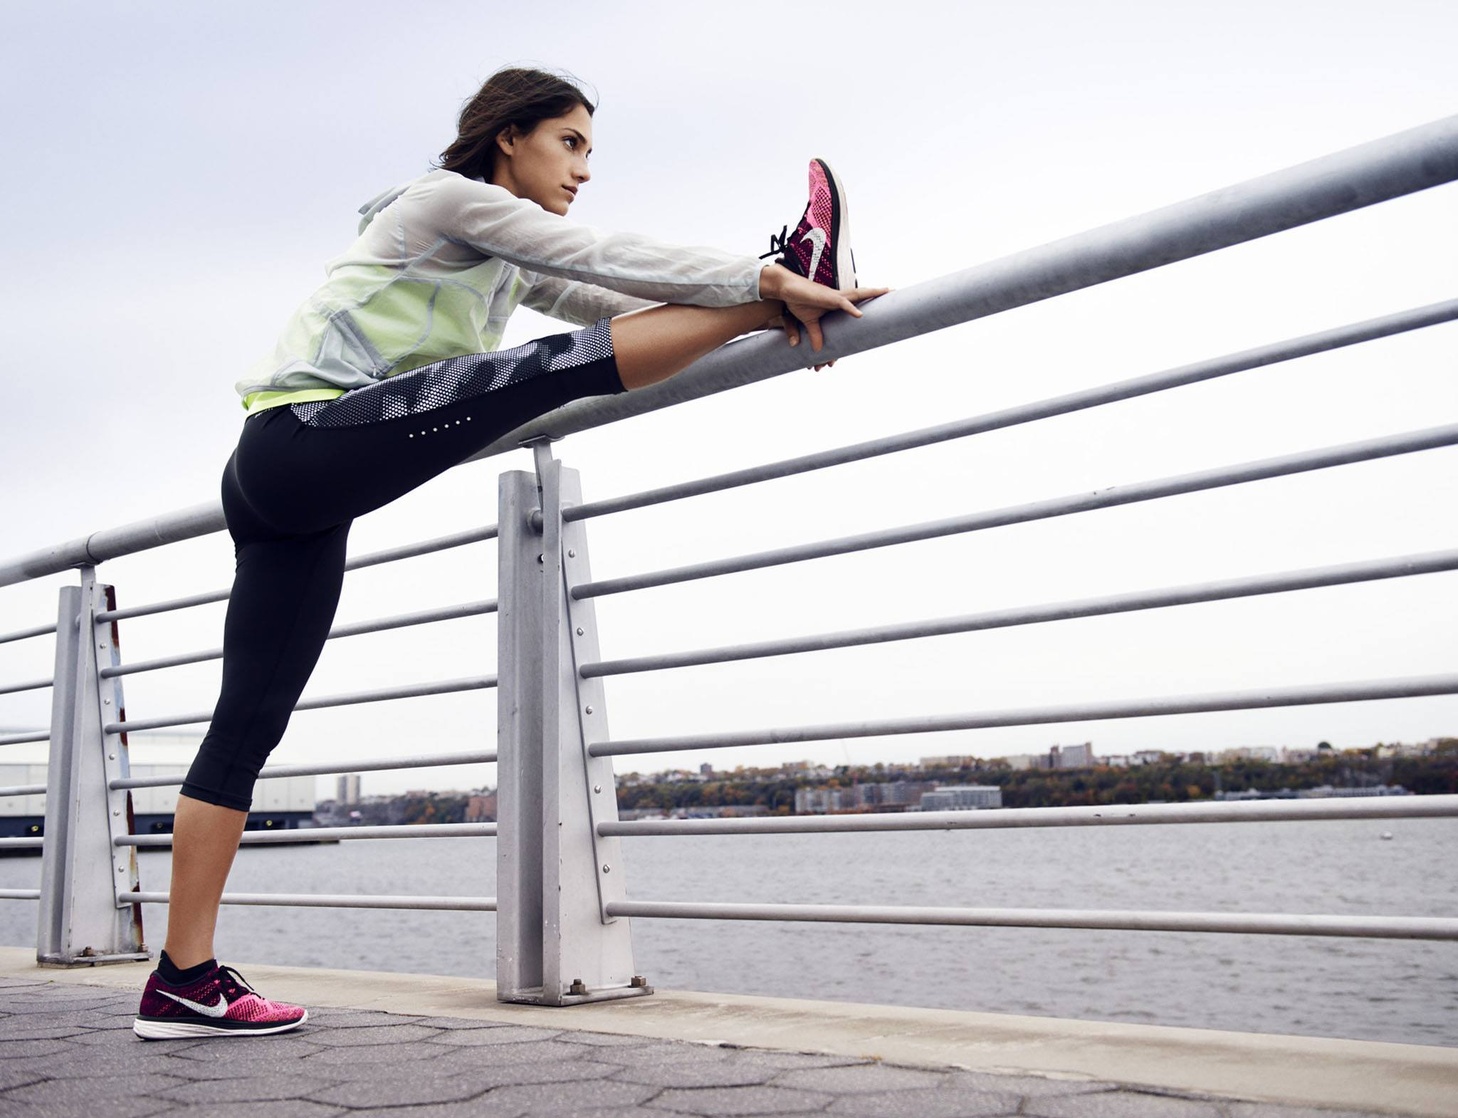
<point>386,377</point>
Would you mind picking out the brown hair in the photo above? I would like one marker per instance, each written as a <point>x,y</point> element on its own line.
<point>513,96</point>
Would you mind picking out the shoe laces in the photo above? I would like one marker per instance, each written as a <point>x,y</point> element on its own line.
<point>778,243</point>
<point>238,979</point>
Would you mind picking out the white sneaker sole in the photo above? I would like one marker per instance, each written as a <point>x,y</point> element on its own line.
<point>174,1030</point>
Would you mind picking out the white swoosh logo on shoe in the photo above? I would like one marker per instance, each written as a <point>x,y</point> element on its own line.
<point>218,1010</point>
<point>817,238</point>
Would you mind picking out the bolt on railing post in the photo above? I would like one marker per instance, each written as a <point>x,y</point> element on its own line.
<point>555,945</point>
<point>84,875</point>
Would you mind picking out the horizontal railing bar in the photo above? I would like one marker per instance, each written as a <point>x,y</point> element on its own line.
<point>33,685</point>
<point>1102,815</point>
<point>420,761</point>
<point>378,695</point>
<point>1374,172</point>
<point>19,894</point>
<point>1260,470</point>
<point>357,628</point>
<point>1253,923</point>
<point>21,843</point>
<point>24,790</point>
<point>389,555</point>
<point>204,599</point>
<point>300,835</point>
<point>1356,692</point>
<point>330,900</point>
<point>1344,574</point>
<point>21,739</point>
<point>1404,163</point>
<point>1274,353</point>
<point>26,634</point>
<point>425,547</point>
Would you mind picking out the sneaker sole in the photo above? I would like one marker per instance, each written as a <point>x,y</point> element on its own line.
<point>157,1029</point>
<point>843,262</point>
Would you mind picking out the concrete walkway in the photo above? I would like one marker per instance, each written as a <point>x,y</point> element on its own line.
<point>387,1044</point>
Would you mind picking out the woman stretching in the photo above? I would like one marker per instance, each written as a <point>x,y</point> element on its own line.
<point>386,377</point>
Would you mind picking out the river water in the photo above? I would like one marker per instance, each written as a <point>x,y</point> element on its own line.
<point>1363,988</point>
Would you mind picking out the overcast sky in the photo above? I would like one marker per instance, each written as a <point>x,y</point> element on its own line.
<point>177,174</point>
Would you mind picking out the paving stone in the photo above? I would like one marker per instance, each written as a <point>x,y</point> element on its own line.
<point>284,1083</point>
<point>1029,1086</point>
<point>1121,1104</point>
<point>557,1099</point>
<point>1275,1110</point>
<point>425,1085</point>
<point>496,1054</point>
<point>399,1033</point>
<point>857,1080</point>
<point>32,1049</point>
<point>741,1101</point>
<point>482,1107</point>
<point>699,1073</point>
<point>266,1051</point>
<point>601,1040</point>
<point>37,1031</point>
<point>651,1052</point>
<point>789,1061</point>
<point>284,1108</point>
<point>927,1103</point>
<point>78,1096</point>
<point>546,1071</point>
<point>12,1075</point>
<point>497,1034</point>
<point>386,1059</point>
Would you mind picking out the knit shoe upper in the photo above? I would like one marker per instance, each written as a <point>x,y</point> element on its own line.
<point>220,1003</point>
<point>819,248</point>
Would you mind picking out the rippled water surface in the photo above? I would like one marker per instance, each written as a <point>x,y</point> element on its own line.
<point>1365,988</point>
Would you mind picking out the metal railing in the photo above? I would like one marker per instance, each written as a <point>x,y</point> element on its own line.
<point>562,911</point>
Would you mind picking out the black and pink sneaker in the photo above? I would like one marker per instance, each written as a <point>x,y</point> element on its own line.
<point>220,1003</point>
<point>819,248</point>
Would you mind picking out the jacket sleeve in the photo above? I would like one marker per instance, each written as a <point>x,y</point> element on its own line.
<point>496,223</point>
<point>581,304</point>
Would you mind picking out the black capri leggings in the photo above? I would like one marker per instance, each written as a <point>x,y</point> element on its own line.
<point>300,476</point>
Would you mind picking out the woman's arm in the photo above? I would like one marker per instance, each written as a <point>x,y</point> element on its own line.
<point>497,223</point>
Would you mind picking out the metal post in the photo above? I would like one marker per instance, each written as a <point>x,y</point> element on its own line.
<point>84,918</point>
<point>556,945</point>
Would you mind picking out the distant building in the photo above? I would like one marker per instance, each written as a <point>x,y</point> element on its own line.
<point>1071,756</point>
<point>819,801</point>
<point>481,807</point>
<point>1116,760</point>
<point>1149,757</point>
<point>1249,753</point>
<point>962,797</point>
<point>1028,761</point>
<point>953,762</point>
<point>348,790</point>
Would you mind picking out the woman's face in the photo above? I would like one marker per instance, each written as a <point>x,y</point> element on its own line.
<point>549,163</point>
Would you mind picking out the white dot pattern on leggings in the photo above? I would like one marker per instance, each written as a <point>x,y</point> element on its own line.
<point>438,385</point>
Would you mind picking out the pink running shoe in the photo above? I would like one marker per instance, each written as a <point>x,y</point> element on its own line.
<point>819,248</point>
<point>220,1003</point>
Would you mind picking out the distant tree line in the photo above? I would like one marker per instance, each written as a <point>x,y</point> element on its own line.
<point>1171,780</point>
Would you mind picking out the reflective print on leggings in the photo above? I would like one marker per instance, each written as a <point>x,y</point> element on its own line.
<point>299,477</point>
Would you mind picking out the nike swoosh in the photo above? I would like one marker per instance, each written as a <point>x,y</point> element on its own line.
<point>817,238</point>
<point>218,1010</point>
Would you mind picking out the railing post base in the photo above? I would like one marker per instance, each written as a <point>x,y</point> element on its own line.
<point>83,919</point>
<point>555,875</point>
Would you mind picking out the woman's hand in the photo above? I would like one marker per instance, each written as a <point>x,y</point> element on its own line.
<point>808,302</point>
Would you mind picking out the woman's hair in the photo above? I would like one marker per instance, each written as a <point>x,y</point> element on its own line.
<point>513,96</point>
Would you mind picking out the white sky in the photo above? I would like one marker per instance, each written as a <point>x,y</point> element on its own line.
<point>177,174</point>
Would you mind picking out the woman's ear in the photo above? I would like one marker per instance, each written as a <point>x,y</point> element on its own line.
<point>506,139</point>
